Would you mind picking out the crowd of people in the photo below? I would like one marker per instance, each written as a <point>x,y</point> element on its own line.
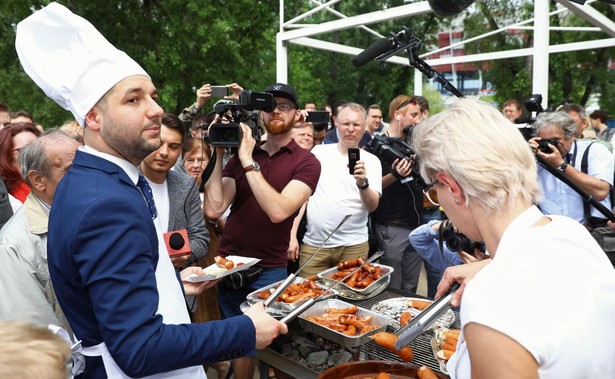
<point>87,209</point>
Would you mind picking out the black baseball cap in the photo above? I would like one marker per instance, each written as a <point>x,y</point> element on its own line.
<point>285,91</point>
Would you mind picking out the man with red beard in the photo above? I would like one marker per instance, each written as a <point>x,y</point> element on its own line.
<point>267,182</point>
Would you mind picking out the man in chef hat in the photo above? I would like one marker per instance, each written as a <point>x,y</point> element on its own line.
<point>119,294</point>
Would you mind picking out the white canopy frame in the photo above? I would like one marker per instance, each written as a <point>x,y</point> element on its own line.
<point>302,34</point>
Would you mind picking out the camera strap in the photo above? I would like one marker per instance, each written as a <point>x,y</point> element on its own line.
<point>208,170</point>
<point>584,195</point>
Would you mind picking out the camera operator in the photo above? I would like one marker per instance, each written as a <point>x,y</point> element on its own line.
<point>452,251</point>
<point>267,182</point>
<point>556,143</point>
<point>401,207</point>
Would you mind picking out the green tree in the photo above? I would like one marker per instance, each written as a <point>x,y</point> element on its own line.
<point>182,44</point>
<point>572,75</point>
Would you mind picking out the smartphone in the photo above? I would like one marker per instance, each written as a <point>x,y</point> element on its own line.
<point>219,91</point>
<point>354,155</point>
<point>317,117</point>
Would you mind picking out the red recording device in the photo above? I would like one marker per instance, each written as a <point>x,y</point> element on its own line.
<point>177,243</point>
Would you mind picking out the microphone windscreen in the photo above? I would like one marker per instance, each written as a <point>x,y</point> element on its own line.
<point>379,47</point>
<point>444,8</point>
<point>176,241</point>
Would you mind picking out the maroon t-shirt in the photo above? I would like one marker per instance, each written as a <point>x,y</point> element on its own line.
<point>249,232</point>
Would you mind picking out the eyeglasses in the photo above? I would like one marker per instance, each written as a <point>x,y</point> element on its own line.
<point>428,188</point>
<point>285,107</point>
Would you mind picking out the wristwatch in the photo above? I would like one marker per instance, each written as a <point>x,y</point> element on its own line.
<point>562,167</point>
<point>364,186</point>
<point>254,166</point>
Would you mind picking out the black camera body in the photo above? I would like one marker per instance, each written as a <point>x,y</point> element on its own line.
<point>457,242</point>
<point>389,149</point>
<point>543,145</point>
<point>229,134</point>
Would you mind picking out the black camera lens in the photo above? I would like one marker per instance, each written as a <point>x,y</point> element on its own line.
<point>543,145</point>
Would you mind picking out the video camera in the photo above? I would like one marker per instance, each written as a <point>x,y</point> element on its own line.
<point>457,242</point>
<point>230,134</point>
<point>389,149</point>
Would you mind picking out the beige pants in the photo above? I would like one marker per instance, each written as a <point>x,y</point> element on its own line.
<point>329,257</point>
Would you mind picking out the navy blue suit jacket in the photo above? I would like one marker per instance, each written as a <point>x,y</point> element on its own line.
<point>103,253</point>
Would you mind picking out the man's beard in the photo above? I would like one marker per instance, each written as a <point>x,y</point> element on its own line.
<point>133,151</point>
<point>277,128</point>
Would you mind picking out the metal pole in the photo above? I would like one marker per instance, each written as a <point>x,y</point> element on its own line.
<point>540,71</point>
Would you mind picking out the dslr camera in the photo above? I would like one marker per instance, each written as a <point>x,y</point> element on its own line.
<point>389,149</point>
<point>543,145</point>
<point>230,134</point>
<point>456,241</point>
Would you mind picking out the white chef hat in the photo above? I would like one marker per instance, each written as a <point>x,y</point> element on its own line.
<point>69,59</point>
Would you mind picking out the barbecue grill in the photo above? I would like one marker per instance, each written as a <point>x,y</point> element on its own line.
<point>279,354</point>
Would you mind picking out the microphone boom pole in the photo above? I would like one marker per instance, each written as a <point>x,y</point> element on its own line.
<point>385,48</point>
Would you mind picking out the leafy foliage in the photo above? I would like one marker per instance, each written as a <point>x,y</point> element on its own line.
<point>185,43</point>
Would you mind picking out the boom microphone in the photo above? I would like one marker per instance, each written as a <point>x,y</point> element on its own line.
<point>444,8</point>
<point>373,51</point>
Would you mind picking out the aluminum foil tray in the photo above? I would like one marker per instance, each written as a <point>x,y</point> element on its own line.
<point>327,278</point>
<point>279,307</point>
<point>321,307</point>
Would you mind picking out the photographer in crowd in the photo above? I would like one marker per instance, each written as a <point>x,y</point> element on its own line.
<point>400,209</point>
<point>556,143</point>
<point>267,182</point>
<point>453,249</point>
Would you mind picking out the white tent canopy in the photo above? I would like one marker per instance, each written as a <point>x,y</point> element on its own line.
<point>292,31</point>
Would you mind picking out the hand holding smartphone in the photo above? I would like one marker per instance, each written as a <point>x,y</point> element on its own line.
<point>219,91</point>
<point>354,155</point>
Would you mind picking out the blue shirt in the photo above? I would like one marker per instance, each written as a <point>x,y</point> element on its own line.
<point>425,242</point>
<point>560,199</point>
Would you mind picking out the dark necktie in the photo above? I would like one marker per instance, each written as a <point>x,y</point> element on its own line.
<point>146,191</point>
<point>568,158</point>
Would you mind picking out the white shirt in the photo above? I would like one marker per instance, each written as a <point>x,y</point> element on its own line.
<point>161,199</point>
<point>552,289</point>
<point>336,196</point>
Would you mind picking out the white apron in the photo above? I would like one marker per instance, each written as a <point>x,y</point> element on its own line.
<point>171,307</point>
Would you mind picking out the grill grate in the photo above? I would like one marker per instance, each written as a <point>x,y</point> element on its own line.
<point>421,345</point>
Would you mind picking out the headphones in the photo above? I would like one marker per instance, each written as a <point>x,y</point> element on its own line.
<point>397,117</point>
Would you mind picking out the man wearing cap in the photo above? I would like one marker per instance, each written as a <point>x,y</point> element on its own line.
<point>112,276</point>
<point>267,182</point>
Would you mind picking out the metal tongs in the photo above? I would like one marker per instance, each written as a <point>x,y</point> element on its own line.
<point>291,278</point>
<point>425,319</point>
<point>300,309</point>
